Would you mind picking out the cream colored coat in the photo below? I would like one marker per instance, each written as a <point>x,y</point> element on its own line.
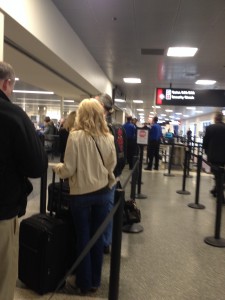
<point>83,164</point>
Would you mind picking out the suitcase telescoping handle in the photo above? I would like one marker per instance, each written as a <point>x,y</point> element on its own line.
<point>43,191</point>
<point>58,205</point>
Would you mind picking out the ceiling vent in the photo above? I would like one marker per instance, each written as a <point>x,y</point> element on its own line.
<point>147,51</point>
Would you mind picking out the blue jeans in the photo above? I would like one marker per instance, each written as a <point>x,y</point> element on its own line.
<point>107,235</point>
<point>89,211</point>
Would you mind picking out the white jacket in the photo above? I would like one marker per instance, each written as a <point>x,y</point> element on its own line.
<point>83,164</point>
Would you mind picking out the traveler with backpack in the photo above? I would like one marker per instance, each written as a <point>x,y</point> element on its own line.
<point>119,134</point>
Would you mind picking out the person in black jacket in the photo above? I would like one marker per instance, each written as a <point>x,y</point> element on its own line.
<point>120,140</point>
<point>214,144</point>
<point>21,155</point>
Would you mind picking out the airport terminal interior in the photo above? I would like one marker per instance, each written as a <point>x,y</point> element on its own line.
<point>169,258</point>
<point>65,51</point>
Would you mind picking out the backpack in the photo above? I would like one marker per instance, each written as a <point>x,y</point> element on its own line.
<point>120,141</point>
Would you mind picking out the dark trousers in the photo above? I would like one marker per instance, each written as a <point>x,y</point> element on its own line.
<point>153,153</point>
<point>131,151</point>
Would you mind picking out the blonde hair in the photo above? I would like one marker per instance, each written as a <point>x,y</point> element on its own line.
<point>69,121</point>
<point>90,118</point>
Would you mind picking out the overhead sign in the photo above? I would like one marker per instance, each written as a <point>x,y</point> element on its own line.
<point>187,97</point>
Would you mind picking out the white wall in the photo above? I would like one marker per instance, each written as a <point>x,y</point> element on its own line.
<point>42,19</point>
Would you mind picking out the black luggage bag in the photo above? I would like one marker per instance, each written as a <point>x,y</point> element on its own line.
<point>46,251</point>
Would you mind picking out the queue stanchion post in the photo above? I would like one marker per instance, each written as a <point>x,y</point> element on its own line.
<point>197,205</point>
<point>133,227</point>
<point>189,160</point>
<point>216,240</point>
<point>170,162</point>
<point>116,247</point>
<point>139,195</point>
<point>183,191</point>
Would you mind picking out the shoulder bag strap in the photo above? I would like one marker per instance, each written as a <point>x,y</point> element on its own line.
<point>98,151</point>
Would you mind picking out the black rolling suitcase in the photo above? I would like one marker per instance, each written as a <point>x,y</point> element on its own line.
<point>46,250</point>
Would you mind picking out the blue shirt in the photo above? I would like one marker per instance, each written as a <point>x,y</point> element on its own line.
<point>155,132</point>
<point>130,130</point>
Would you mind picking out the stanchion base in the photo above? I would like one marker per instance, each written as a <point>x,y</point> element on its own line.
<point>197,206</point>
<point>140,196</point>
<point>133,228</point>
<point>183,192</point>
<point>170,175</point>
<point>210,240</point>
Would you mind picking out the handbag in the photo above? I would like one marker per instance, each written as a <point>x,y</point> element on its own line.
<point>132,212</point>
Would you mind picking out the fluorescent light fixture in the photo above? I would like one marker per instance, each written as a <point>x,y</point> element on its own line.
<point>185,116</point>
<point>71,101</point>
<point>141,114</point>
<point>138,101</point>
<point>181,51</point>
<point>163,115</point>
<point>153,106</point>
<point>205,82</point>
<point>140,109</point>
<point>33,92</point>
<point>190,107</point>
<point>168,110</point>
<point>199,111</point>
<point>120,100</point>
<point>178,114</point>
<point>132,80</point>
<point>16,79</point>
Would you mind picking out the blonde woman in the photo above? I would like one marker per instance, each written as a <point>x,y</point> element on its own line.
<point>89,162</point>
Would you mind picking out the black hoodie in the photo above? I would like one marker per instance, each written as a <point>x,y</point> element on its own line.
<point>21,155</point>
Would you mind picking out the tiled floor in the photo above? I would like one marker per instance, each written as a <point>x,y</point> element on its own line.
<point>169,259</point>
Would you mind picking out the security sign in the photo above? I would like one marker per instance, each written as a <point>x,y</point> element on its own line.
<point>142,136</point>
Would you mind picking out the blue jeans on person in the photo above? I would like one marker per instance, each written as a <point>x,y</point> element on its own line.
<point>107,235</point>
<point>89,211</point>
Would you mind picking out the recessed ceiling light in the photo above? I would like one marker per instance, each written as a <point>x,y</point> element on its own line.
<point>138,101</point>
<point>132,80</point>
<point>205,82</point>
<point>33,92</point>
<point>181,51</point>
<point>120,100</point>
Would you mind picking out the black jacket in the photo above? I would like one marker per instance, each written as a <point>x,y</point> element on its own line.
<point>214,143</point>
<point>21,155</point>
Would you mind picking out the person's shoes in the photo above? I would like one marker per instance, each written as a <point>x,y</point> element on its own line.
<point>213,192</point>
<point>156,169</point>
<point>106,249</point>
<point>148,169</point>
<point>93,289</point>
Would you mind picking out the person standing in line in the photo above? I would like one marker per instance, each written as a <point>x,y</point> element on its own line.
<point>89,162</point>
<point>155,135</point>
<point>120,139</point>
<point>21,155</point>
<point>131,140</point>
<point>214,145</point>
